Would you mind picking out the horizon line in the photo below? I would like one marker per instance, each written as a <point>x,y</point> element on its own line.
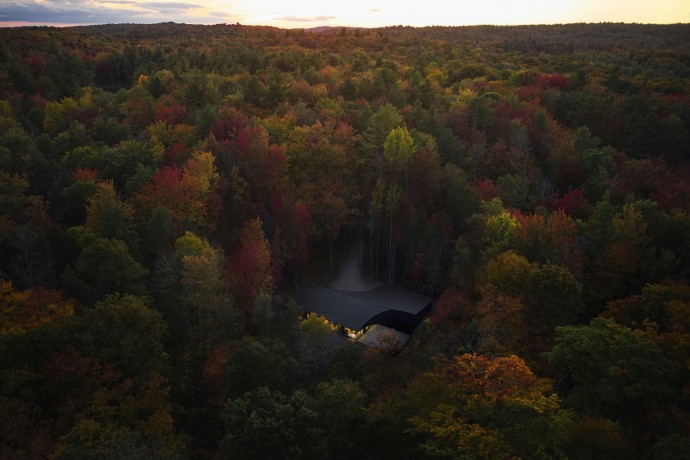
<point>30,24</point>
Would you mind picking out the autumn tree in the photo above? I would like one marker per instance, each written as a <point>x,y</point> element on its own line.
<point>110,217</point>
<point>26,310</point>
<point>206,290</point>
<point>184,193</point>
<point>488,408</point>
<point>249,268</point>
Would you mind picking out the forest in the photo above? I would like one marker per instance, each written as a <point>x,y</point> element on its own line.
<point>165,189</point>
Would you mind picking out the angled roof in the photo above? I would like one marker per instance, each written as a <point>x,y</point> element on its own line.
<point>355,310</point>
<point>394,298</point>
<point>338,307</point>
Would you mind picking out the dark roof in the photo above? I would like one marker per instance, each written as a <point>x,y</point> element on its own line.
<point>337,307</point>
<point>355,310</point>
<point>394,298</point>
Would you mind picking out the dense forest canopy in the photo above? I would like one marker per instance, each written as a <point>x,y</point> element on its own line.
<point>164,189</point>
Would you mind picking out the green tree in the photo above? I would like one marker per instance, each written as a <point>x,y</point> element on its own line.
<point>277,89</point>
<point>318,343</point>
<point>500,233</point>
<point>259,363</point>
<point>341,405</point>
<point>265,423</point>
<point>254,91</point>
<point>103,266</point>
<point>110,217</point>
<point>124,330</point>
<point>616,372</point>
<point>555,299</point>
<point>206,290</point>
<point>398,150</point>
<point>372,140</point>
<point>159,231</point>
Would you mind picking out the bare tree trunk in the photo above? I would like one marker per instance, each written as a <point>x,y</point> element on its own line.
<point>361,250</point>
<point>371,252</point>
<point>330,254</point>
<point>378,238</point>
<point>390,250</point>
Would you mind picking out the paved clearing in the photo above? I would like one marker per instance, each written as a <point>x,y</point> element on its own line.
<point>349,277</point>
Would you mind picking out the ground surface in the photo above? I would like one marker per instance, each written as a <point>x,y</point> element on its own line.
<point>349,276</point>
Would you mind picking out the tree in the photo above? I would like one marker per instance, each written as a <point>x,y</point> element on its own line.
<point>124,330</point>
<point>372,140</point>
<point>534,298</point>
<point>29,260</point>
<point>277,89</point>
<point>159,231</point>
<point>556,299</point>
<point>550,239</point>
<point>318,343</point>
<point>341,406</point>
<point>321,163</point>
<point>398,150</point>
<point>267,424</point>
<point>89,439</point>
<point>75,199</point>
<point>249,268</point>
<point>254,91</point>
<point>122,162</point>
<point>664,307</point>
<point>87,376</point>
<point>115,360</point>
<point>452,310</point>
<point>392,201</point>
<point>103,266</point>
<point>328,210</point>
<point>184,193</point>
<point>110,217</point>
<point>620,249</point>
<point>509,273</point>
<point>500,233</point>
<point>206,291</point>
<point>487,408</point>
<point>259,364</point>
<point>26,310</point>
<point>616,372</point>
<point>460,198</point>
<point>494,311</point>
<point>260,164</point>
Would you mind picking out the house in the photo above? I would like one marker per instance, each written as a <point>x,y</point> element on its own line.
<point>364,315</point>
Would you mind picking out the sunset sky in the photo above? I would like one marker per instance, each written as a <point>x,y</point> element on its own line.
<point>365,13</point>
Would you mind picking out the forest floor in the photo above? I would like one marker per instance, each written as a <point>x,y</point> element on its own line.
<point>349,276</point>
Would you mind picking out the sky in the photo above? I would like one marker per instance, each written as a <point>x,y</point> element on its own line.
<point>362,13</point>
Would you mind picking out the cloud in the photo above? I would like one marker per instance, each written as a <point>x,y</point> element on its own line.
<point>309,19</point>
<point>99,12</point>
<point>159,7</point>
